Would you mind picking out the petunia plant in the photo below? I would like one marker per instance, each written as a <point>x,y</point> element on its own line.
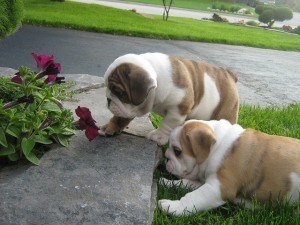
<point>36,118</point>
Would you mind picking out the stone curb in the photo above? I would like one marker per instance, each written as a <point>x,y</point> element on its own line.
<point>106,181</point>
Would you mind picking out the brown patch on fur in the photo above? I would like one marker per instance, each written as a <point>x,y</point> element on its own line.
<point>115,125</point>
<point>259,166</point>
<point>189,74</point>
<point>130,83</point>
<point>196,140</point>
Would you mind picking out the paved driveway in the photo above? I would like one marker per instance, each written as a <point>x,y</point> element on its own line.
<point>265,76</point>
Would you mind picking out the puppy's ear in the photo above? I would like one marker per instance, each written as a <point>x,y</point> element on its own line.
<point>140,84</point>
<point>201,139</point>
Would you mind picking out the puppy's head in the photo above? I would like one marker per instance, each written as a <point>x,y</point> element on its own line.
<point>189,146</point>
<point>130,83</point>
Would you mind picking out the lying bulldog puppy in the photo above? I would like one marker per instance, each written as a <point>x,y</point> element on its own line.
<point>173,87</point>
<point>235,164</point>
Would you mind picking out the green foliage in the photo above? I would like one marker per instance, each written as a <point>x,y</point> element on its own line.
<point>38,120</point>
<point>296,30</point>
<point>283,13</point>
<point>11,14</point>
<point>270,13</point>
<point>252,23</point>
<point>267,16</point>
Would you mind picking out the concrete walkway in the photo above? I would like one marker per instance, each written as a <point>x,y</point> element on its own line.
<point>106,181</point>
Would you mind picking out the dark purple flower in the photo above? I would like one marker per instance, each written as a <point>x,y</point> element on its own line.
<point>46,66</point>
<point>17,78</point>
<point>53,68</point>
<point>87,123</point>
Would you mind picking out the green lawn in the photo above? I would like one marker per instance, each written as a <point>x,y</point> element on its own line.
<point>273,120</point>
<point>109,20</point>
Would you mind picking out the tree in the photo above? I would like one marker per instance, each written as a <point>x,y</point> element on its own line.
<point>268,14</point>
<point>167,9</point>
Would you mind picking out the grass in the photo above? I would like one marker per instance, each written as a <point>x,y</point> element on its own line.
<point>114,21</point>
<point>273,120</point>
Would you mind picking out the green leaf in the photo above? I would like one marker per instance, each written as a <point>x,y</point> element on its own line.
<point>63,140</point>
<point>7,151</point>
<point>38,95</point>
<point>32,158</point>
<point>3,141</point>
<point>42,139</point>
<point>27,146</point>
<point>68,131</point>
<point>13,157</point>
<point>50,106</point>
<point>14,131</point>
<point>32,106</point>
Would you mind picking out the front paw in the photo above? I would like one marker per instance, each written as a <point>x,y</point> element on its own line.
<point>171,207</point>
<point>158,136</point>
<point>110,129</point>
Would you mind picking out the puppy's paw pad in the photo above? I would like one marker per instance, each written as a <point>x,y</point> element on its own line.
<point>159,137</point>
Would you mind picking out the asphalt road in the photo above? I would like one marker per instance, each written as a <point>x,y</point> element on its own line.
<point>265,76</point>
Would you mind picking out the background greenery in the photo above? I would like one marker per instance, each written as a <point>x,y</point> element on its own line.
<point>11,14</point>
<point>98,18</point>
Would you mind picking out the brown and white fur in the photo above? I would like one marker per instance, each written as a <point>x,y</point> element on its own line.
<point>235,164</point>
<point>173,87</point>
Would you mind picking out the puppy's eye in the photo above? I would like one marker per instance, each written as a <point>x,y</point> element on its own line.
<point>177,151</point>
<point>118,93</point>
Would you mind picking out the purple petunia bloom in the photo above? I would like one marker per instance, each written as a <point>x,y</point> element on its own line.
<point>53,68</point>
<point>87,123</point>
<point>43,61</point>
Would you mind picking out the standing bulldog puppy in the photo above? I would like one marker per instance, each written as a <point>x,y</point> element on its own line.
<point>173,87</point>
<point>233,163</point>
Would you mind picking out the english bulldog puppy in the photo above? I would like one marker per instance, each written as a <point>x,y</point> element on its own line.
<point>173,87</point>
<point>232,163</point>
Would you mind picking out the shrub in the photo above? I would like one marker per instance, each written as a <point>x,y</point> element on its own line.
<point>296,30</point>
<point>217,18</point>
<point>266,16</point>
<point>283,13</point>
<point>11,14</point>
<point>223,8</point>
<point>234,8</point>
<point>269,14</point>
<point>252,23</point>
<point>214,6</point>
<point>287,28</point>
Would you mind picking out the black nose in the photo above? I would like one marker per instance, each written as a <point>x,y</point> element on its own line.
<point>108,102</point>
